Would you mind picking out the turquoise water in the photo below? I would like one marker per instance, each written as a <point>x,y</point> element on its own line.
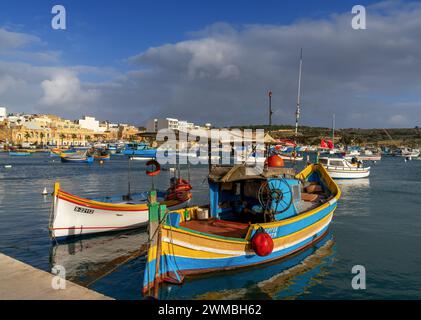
<point>377,225</point>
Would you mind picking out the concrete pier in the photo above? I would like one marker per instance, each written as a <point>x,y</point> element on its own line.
<point>19,281</point>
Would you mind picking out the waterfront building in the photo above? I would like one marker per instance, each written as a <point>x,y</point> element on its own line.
<point>3,113</point>
<point>90,123</point>
<point>154,125</point>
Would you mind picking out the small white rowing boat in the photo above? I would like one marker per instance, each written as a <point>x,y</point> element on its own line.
<point>141,158</point>
<point>340,168</point>
<point>75,216</point>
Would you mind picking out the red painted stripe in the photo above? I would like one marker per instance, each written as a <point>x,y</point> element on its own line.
<point>84,228</point>
<point>81,203</point>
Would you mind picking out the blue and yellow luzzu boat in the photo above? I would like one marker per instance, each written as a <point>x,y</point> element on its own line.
<point>253,218</point>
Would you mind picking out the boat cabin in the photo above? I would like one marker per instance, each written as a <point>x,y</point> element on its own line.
<point>340,162</point>
<point>239,198</point>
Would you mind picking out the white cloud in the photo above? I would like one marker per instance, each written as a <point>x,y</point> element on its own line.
<point>13,40</point>
<point>221,74</point>
<point>64,89</point>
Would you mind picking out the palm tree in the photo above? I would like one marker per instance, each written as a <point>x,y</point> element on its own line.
<point>27,136</point>
<point>62,136</point>
<point>42,135</point>
<point>74,136</point>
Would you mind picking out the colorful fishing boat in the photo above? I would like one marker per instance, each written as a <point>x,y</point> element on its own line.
<point>76,157</point>
<point>75,216</point>
<point>19,153</point>
<point>252,218</point>
<point>102,155</point>
<point>139,150</point>
<point>340,168</point>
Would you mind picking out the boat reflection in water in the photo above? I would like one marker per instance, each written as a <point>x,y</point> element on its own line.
<point>285,279</point>
<point>345,184</point>
<point>88,259</point>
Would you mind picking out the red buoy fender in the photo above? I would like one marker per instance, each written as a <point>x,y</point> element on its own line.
<point>182,185</point>
<point>262,243</point>
<point>156,170</point>
<point>275,161</point>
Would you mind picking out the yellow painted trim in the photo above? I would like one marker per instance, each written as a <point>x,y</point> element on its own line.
<point>152,253</point>
<point>187,252</point>
<point>185,231</point>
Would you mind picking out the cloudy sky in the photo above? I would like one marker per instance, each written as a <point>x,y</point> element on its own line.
<point>209,61</point>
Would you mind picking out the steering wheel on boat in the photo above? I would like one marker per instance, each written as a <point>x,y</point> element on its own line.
<point>275,200</point>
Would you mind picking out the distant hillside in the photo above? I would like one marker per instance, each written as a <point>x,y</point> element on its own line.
<point>312,135</point>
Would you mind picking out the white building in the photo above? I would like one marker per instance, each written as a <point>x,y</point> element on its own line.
<point>155,125</point>
<point>3,113</point>
<point>90,123</point>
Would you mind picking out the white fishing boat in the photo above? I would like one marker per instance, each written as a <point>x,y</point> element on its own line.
<point>409,152</point>
<point>340,168</point>
<point>72,215</point>
<point>369,155</point>
<point>290,157</point>
<point>141,158</point>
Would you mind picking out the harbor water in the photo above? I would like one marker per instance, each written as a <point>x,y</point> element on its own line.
<point>377,225</point>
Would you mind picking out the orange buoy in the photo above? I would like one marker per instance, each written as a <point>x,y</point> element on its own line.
<point>154,171</point>
<point>275,161</point>
<point>262,243</point>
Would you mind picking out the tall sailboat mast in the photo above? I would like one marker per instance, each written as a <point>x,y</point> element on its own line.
<point>297,112</point>
<point>270,107</point>
<point>333,130</point>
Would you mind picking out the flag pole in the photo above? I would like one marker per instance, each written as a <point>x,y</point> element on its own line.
<point>297,112</point>
<point>270,107</point>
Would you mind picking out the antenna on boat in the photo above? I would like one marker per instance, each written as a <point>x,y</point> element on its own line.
<point>297,112</point>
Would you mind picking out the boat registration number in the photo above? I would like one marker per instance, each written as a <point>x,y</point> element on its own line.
<point>84,210</point>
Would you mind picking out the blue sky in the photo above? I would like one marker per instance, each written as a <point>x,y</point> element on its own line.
<point>213,61</point>
<point>105,33</point>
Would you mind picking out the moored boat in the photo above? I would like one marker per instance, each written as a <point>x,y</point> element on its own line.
<point>253,218</point>
<point>102,155</point>
<point>19,153</point>
<point>74,216</point>
<point>340,168</point>
<point>140,150</point>
<point>76,157</point>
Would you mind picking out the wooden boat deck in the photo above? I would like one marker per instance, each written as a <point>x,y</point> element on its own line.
<point>218,227</point>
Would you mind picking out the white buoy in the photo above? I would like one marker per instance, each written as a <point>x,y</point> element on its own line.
<point>44,192</point>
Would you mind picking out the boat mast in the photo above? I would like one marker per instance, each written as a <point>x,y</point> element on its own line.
<point>270,107</point>
<point>333,130</point>
<point>297,112</point>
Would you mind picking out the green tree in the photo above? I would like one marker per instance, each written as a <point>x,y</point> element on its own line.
<point>42,135</point>
<point>27,136</point>
<point>74,136</point>
<point>62,136</point>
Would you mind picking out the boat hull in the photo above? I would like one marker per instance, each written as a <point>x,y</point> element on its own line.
<point>290,158</point>
<point>77,160</point>
<point>147,153</point>
<point>185,251</point>
<point>19,154</point>
<point>104,158</point>
<point>341,173</point>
